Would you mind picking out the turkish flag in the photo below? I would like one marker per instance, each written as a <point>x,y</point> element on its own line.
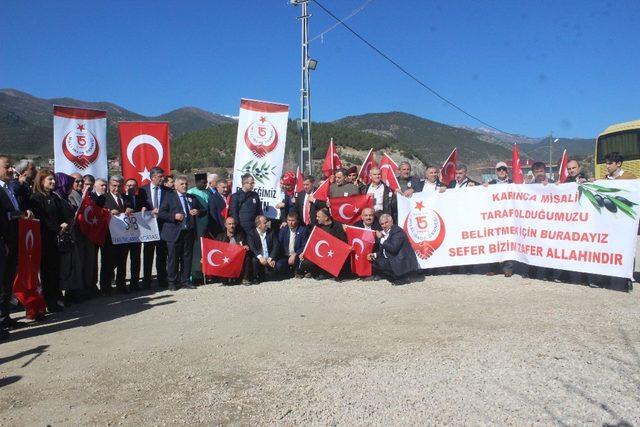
<point>144,145</point>
<point>92,220</point>
<point>227,202</point>
<point>326,251</point>
<point>322,192</point>
<point>347,210</point>
<point>299,181</point>
<point>331,160</point>
<point>368,164</point>
<point>516,174</point>
<point>448,171</point>
<point>222,259</point>
<point>362,241</point>
<point>388,169</point>
<point>26,285</point>
<point>563,174</point>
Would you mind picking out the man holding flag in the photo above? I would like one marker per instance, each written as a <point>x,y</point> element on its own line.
<point>394,258</point>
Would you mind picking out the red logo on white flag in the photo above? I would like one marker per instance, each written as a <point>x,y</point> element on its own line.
<point>425,229</point>
<point>143,146</point>
<point>79,144</point>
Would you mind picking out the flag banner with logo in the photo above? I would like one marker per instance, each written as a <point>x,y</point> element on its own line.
<point>26,286</point>
<point>80,141</point>
<point>362,241</point>
<point>222,259</point>
<point>326,251</point>
<point>347,210</point>
<point>262,133</point>
<point>144,145</point>
<point>138,227</point>
<point>93,220</point>
<point>588,227</point>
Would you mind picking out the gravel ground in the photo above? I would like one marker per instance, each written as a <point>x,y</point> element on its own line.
<point>449,349</point>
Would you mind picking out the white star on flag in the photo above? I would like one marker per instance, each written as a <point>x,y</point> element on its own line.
<point>356,210</point>
<point>357,257</point>
<point>145,174</point>
<point>330,253</point>
<point>225,260</point>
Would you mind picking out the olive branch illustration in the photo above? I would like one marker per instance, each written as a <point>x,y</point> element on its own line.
<point>260,172</point>
<point>603,197</point>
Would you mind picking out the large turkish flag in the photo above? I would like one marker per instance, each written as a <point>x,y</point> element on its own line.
<point>362,241</point>
<point>326,251</point>
<point>144,145</point>
<point>93,220</point>
<point>222,259</point>
<point>347,210</point>
<point>26,285</point>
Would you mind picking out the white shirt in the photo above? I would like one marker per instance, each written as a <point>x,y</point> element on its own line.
<point>378,196</point>
<point>263,241</point>
<point>429,186</point>
<point>385,236</point>
<point>292,241</point>
<point>618,173</point>
<point>154,202</point>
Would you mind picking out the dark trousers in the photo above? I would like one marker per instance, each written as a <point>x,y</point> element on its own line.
<point>88,253</point>
<point>112,257</point>
<point>160,249</point>
<point>50,272</point>
<point>260,271</point>
<point>283,267</point>
<point>179,257</point>
<point>7,274</point>
<point>133,250</point>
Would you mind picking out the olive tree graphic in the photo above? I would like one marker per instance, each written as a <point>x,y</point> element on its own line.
<point>606,197</point>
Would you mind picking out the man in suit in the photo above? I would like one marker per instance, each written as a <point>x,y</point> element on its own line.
<point>233,235</point>
<point>114,257</point>
<point>264,247</point>
<point>368,220</point>
<point>246,204</point>
<point>384,200</point>
<point>23,185</point>
<point>10,213</point>
<point>155,193</point>
<point>135,200</point>
<point>291,239</point>
<point>218,207</point>
<point>407,182</point>
<point>431,181</point>
<point>462,180</point>
<point>305,204</point>
<point>179,212</point>
<point>394,257</point>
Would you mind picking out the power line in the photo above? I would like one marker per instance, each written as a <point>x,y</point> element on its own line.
<point>340,21</point>
<point>409,74</point>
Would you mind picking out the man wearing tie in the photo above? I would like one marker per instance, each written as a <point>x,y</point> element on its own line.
<point>155,193</point>
<point>179,212</point>
<point>218,207</point>
<point>305,203</point>
<point>136,200</point>
<point>114,256</point>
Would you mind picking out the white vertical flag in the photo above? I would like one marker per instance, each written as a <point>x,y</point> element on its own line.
<point>80,141</point>
<point>262,133</point>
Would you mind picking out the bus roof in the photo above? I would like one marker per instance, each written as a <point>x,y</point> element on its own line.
<point>634,124</point>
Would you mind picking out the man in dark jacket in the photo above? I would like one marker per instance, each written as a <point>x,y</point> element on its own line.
<point>246,204</point>
<point>574,172</point>
<point>305,203</point>
<point>368,220</point>
<point>233,235</point>
<point>384,200</point>
<point>264,247</point>
<point>218,207</point>
<point>394,258</point>
<point>114,257</point>
<point>292,239</point>
<point>179,211</point>
<point>155,193</point>
<point>135,200</point>
<point>462,179</point>
<point>431,182</point>
<point>326,223</point>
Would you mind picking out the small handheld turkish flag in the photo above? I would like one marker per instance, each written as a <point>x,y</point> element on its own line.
<point>448,171</point>
<point>331,160</point>
<point>368,164</point>
<point>322,192</point>
<point>362,241</point>
<point>299,181</point>
<point>26,285</point>
<point>326,251</point>
<point>92,220</point>
<point>347,210</point>
<point>516,173</point>
<point>144,145</point>
<point>388,169</point>
<point>222,259</point>
<point>563,173</point>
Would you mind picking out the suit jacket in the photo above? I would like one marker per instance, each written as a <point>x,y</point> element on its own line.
<point>398,250</point>
<point>255,244</point>
<point>465,183</point>
<point>22,191</point>
<point>147,191</point>
<point>111,204</point>
<point>136,202</point>
<point>421,184</point>
<point>302,234</point>
<point>299,208</point>
<point>216,205</point>
<point>8,221</point>
<point>374,226</point>
<point>170,206</point>
<point>389,200</point>
<point>495,181</point>
<point>239,236</point>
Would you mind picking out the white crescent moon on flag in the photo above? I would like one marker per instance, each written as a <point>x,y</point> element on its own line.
<point>341,211</point>
<point>360,243</point>
<point>210,255</point>
<point>87,212</point>
<point>317,247</point>
<point>28,240</point>
<point>141,140</point>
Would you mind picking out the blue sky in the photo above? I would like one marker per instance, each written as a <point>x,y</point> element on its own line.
<point>528,67</point>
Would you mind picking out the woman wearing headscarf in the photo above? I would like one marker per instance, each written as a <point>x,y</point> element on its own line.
<point>70,266</point>
<point>46,205</point>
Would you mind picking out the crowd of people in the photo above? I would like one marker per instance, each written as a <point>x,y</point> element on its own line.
<point>70,272</point>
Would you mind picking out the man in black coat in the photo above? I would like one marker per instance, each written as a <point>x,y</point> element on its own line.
<point>394,258</point>
<point>305,204</point>
<point>155,193</point>
<point>136,200</point>
<point>292,238</point>
<point>384,200</point>
<point>114,257</point>
<point>368,220</point>
<point>246,204</point>
<point>462,179</point>
<point>233,235</point>
<point>264,247</point>
<point>217,207</point>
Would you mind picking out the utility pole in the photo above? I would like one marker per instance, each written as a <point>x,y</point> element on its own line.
<point>550,154</point>
<point>304,125</point>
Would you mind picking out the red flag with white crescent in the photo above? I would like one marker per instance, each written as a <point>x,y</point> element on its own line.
<point>347,210</point>
<point>388,169</point>
<point>326,251</point>
<point>143,146</point>
<point>222,259</point>
<point>322,192</point>
<point>26,285</point>
<point>331,160</point>
<point>93,220</point>
<point>299,181</point>
<point>516,173</point>
<point>362,241</point>
<point>448,171</point>
<point>563,173</point>
<point>368,164</point>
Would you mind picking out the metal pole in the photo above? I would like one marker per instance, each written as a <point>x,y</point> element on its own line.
<point>305,93</point>
<point>550,154</point>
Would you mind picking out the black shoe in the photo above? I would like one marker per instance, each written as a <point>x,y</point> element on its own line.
<point>373,278</point>
<point>188,286</point>
<point>172,287</point>
<point>9,323</point>
<point>122,290</point>
<point>55,309</point>
<point>400,282</point>
<point>321,277</point>
<point>4,335</point>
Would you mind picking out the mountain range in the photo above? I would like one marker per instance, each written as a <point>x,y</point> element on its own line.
<point>204,139</point>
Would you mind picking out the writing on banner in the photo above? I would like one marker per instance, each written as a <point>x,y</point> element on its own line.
<point>136,228</point>
<point>587,227</point>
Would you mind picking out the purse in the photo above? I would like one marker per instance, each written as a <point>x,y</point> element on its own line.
<point>65,242</point>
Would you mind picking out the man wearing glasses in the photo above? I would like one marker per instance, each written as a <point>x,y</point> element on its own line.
<point>502,177</point>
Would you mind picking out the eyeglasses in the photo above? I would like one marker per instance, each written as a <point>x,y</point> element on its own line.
<point>501,168</point>
<point>78,181</point>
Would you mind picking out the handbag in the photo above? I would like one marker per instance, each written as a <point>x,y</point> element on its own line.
<point>65,242</point>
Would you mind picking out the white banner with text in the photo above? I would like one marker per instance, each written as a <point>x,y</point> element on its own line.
<point>136,228</point>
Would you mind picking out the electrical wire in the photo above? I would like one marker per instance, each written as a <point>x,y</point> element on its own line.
<point>408,73</point>
<point>340,21</point>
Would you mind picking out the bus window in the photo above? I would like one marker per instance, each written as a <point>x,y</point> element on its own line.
<point>626,143</point>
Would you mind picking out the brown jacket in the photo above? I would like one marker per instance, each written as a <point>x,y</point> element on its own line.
<point>626,175</point>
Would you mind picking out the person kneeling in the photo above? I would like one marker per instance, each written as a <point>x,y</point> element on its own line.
<point>394,259</point>
<point>264,247</point>
<point>291,239</point>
